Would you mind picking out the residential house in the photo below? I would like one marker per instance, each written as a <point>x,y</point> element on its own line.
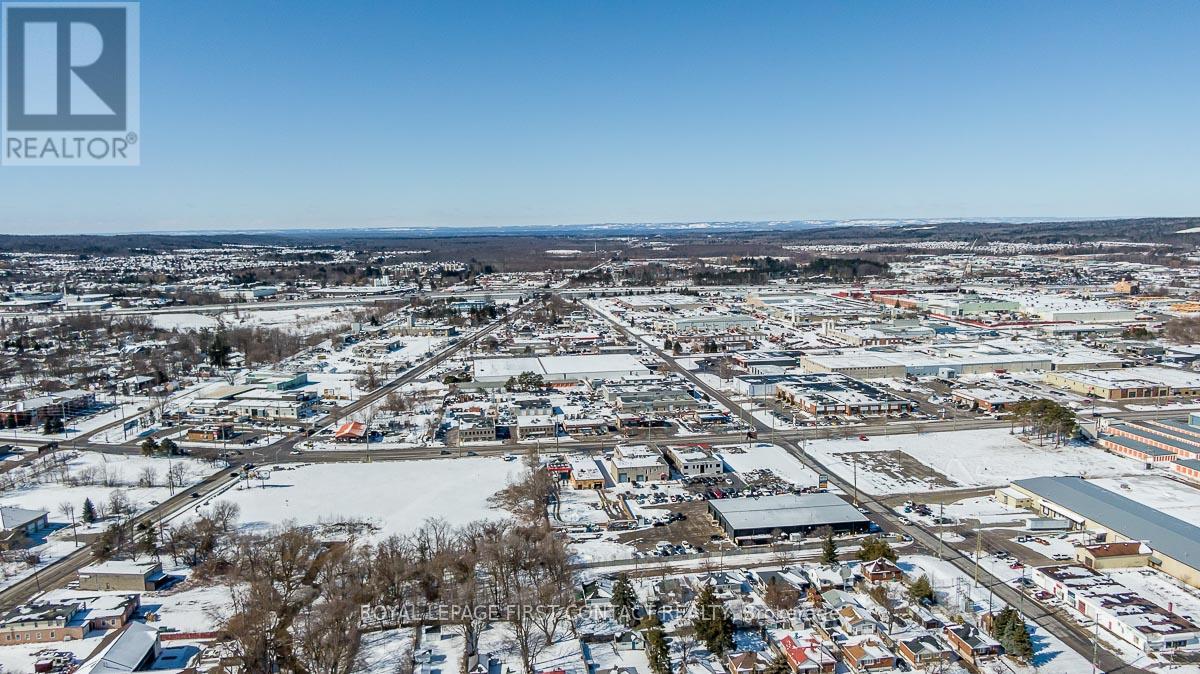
<point>867,654</point>
<point>748,662</point>
<point>922,649</point>
<point>807,655</point>
<point>971,643</point>
<point>881,570</point>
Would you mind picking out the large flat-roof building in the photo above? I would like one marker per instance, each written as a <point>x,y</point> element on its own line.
<point>1123,384</point>
<point>1118,609</point>
<point>491,372</point>
<point>830,393</point>
<point>1174,544</point>
<point>759,519</point>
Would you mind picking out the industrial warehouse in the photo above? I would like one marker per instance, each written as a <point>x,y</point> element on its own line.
<point>1175,544</point>
<point>759,519</point>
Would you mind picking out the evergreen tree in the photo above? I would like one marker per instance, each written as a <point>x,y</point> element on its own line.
<point>1001,621</point>
<point>218,350</point>
<point>1008,627</point>
<point>88,513</point>
<point>624,601</point>
<point>874,548</point>
<point>712,623</point>
<point>778,665</point>
<point>147,544</point>
<point>921,590</point>
<point>1017,641</point>
<point>658,650</point>
<point>829,551</point>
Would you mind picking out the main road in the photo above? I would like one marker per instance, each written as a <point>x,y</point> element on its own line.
<point>1071,634</point>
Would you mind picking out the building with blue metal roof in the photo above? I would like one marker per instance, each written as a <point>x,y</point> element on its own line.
<point>1174,542</point>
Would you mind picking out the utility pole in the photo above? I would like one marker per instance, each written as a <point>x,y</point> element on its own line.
<point>854,462</point>
<point>978,549</point>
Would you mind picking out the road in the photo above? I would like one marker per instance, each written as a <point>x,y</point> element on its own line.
<point>1071,634</point>
<point>280,452</point>
<point>63,571</point>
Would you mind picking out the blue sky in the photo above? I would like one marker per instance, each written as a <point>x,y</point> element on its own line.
<point>340,114</point>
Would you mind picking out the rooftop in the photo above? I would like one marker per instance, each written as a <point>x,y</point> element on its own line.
<point>1167,535</point>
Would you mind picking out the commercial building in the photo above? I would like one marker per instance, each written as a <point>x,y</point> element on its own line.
<point>761,519</point>
<point>839,394</point>
<point>64,620</point>
<point>277,380</point>
<point>287,409</point>
<point>650,397</point>
<point>987,399</point>
<point>691,460</point>
<point>469,428</point>
<point>709,323</point>
<point>19,525</point>
<point>1117,609</point>
<point>1063,309</point>
<point>530,427</point>
<point>797,308</point>
<point>585,474</point>
<point>1128,383</point>
<point>1175,544</point>
<point>956,359</point>
<point>1124,555</point>
<point>876,334</point>
<point>134,649</point>
<point>122,575</point>
<point>210,433</point>
<point>35,411</point>
<point>557,370</point>
<point>637,463</point>
<point>1188,469</point>
<point>1152,441</point>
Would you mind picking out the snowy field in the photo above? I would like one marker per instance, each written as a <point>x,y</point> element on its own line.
<point>395,496</point>
<point>95,476</point>
<point>303,320</point>
<point>385,652</point>
<point>888,464</point>
<point>746,458</point>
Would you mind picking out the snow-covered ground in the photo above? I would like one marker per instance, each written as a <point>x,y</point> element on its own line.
<point>580,507</point>
<point>957,459</point>
<point>20,657</point>
<point>745,458</point>
<point>385,652</point>
<point>95,476</point>
<point>395,496</point>
<point>300,320</point>
<point>985,509</point>
<point>188,606</point>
